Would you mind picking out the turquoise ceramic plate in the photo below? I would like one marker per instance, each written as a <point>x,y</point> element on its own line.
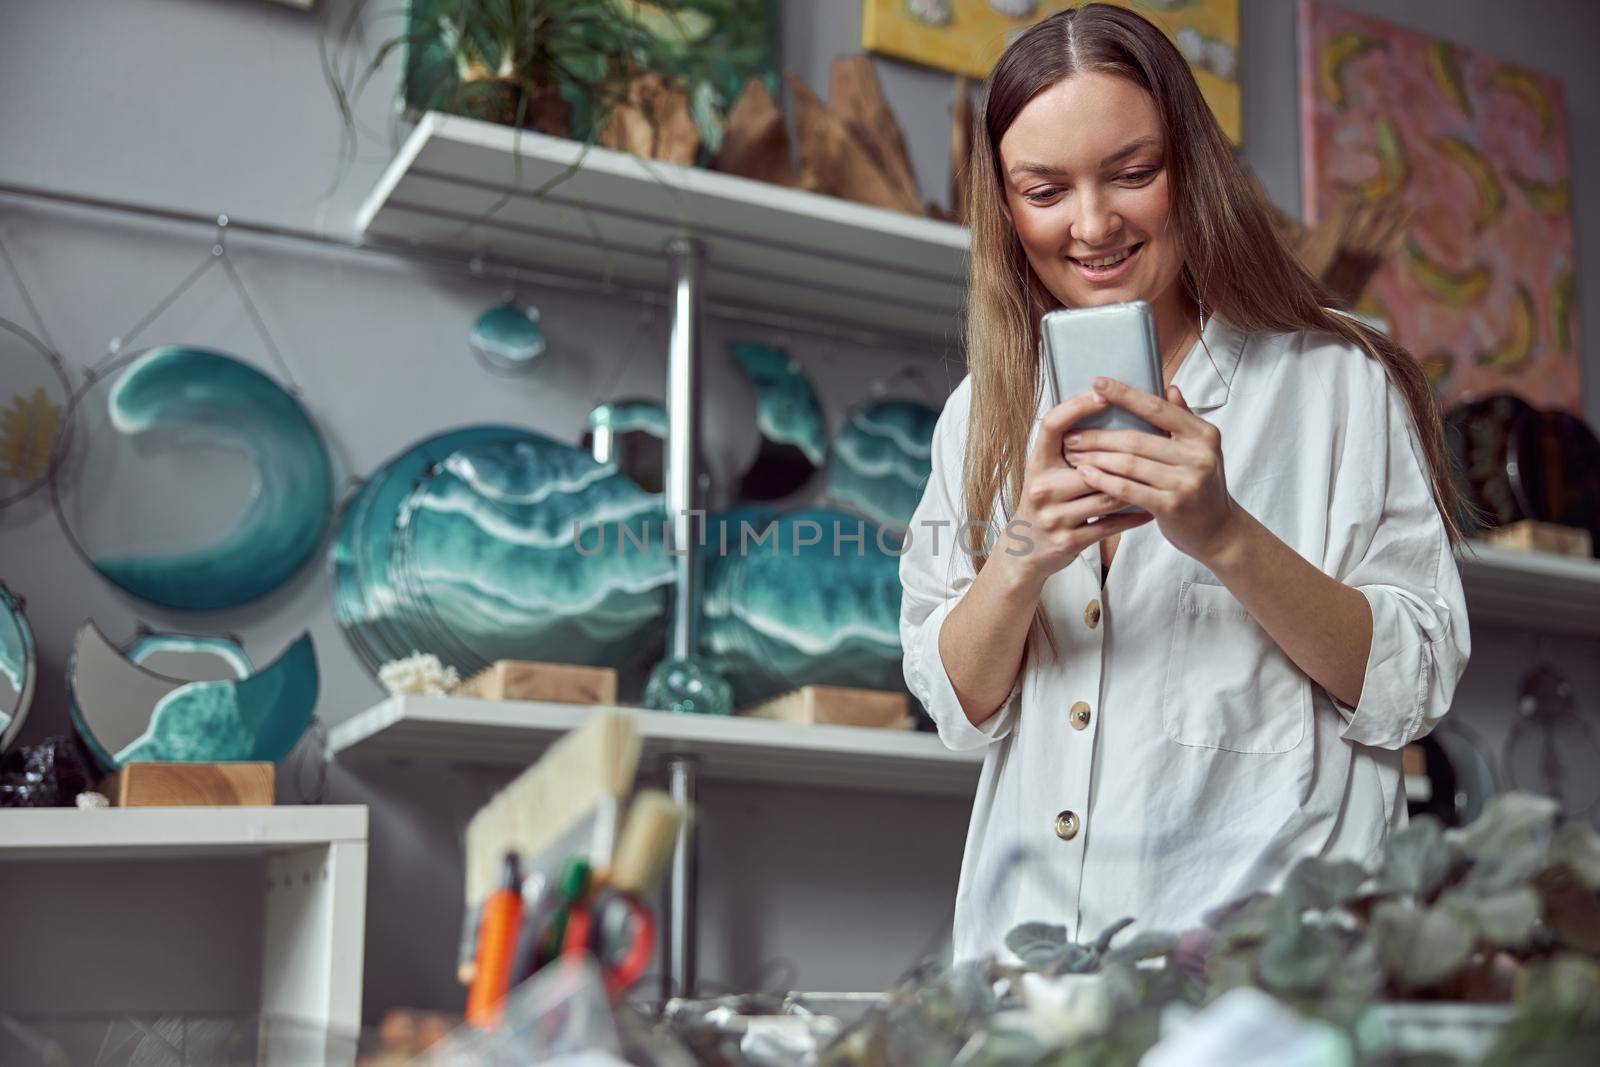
<point>799,609</point>
<point>18,666</point>
<point>516,549</point>
<point>127,713</point>
<point>368,609</point>
<point>881,459</point>
<point>192,480</point>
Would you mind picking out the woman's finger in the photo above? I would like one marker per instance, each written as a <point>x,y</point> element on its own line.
<point>1056,487</point>
<point>1047,448</point>
<point>1124,489</point>
<point>1151,408</point>
<point>1136,468</point>
<point>1137,442</point>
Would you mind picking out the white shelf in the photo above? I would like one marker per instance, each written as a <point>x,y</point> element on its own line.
<point>610,214</point>
<point>310,908</point>
<point>1538,590</point>
<point>729,749</point>
<point>109,833</point>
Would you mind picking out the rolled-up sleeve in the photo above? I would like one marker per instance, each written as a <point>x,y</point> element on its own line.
<point>1388,541</point>
<point>935,573</point>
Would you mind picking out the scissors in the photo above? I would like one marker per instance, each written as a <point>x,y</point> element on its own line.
<point>618,929</point>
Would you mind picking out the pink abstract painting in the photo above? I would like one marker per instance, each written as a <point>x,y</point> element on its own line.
<point>1482,287</point>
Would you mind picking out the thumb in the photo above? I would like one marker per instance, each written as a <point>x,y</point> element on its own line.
<point>1175,396</point>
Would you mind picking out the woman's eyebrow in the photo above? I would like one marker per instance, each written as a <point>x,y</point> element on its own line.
<point>1116,157</point>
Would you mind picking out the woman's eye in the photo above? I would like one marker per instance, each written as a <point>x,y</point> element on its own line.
<point>1138,175</point>
<point>1040,196</point>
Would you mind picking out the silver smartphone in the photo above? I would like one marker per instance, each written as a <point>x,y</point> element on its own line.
<point>1113,341</point>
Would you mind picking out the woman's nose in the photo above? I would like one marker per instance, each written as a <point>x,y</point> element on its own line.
<point>1096,221</point>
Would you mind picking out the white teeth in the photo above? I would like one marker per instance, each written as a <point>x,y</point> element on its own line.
<point>1111,261</point>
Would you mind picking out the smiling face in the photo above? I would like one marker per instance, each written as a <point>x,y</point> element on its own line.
<point>1088,192</point>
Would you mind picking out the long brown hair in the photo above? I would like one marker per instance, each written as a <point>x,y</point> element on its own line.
<point>1235,261</point>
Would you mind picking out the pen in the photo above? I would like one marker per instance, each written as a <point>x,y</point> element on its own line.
<point>497,944</point>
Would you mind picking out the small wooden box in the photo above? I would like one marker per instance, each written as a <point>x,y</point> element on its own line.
<point>192,785</point>
<point>1530,536</point>
<point>833,705</point>
<point>563,683</point>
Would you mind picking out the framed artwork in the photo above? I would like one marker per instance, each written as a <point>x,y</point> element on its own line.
<point>968,36</point>
<point>1482,287</point>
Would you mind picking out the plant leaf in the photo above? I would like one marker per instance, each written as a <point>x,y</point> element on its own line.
<point>1417,860</point>
<point>1507,918</point>
<point>1298,958</point>
<point>1149,945</point>
<point>1420,947</point>
<point>1321,884</point>
<point>1037,943</point>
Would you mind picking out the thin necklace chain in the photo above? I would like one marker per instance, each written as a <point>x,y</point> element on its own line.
<point>1167,366</point>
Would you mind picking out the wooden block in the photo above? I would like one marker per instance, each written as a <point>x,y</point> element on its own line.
<point>563,683</point>
<point>191,785</point>
<point>833,705</point>
<point>1531,536</point>
<point>1414,760</point>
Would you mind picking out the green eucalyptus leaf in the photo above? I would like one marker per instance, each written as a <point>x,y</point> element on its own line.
<point>1297,959</point>
<point>1036,937</point>
<point>1577,847</point>
<point>1420,947</point>
<point>1507,918</point>
<point>1322,884</point>
<point>1417,861</point>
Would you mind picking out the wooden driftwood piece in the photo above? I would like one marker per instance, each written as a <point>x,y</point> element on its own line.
<point>755,143</point>
<point>856,97</point>
<point>653,122</point>
<point>836,163</point>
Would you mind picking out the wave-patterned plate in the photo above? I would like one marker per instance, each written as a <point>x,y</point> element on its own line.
<point>194,481</point>
<point>881,460</point>
<point>18,666</point>
<point>530,549</point>
<point>794,434</point>
<point>799,609</point>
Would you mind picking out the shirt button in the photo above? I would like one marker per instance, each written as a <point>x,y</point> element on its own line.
<point>1080,715</point>
<point>1091,614</point>
<point>1067,825</point>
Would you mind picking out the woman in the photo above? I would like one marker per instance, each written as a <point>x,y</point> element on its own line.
<point>1175,705</point>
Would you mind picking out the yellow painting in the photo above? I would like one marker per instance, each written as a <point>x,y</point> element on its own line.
<point>967,37</point>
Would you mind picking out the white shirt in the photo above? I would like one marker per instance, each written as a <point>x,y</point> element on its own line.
<point>1197,760</point>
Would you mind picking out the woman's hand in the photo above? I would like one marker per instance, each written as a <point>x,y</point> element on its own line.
<point>1057,502</point>
<point>1179,480</point>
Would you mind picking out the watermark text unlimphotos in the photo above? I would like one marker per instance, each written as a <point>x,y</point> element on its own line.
<point>618,538</point>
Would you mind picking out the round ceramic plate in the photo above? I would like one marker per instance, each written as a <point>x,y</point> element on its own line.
<point>514,549</point>
<point>366,605</point>
<point>1555,470</point>
<point>34,394</point>
<point>807,605</point>
<point>192,480</point>
<point>19,666</point>
<point>881,459</point>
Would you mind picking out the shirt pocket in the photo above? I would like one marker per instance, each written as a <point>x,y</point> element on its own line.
<point>1229,686</point>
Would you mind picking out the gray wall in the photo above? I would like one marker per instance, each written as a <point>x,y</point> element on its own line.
<point>219,105</point>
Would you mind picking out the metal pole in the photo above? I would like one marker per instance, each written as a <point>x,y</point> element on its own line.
<point>683,500</point>
<point>684,888</point>
<point>683,443</point>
